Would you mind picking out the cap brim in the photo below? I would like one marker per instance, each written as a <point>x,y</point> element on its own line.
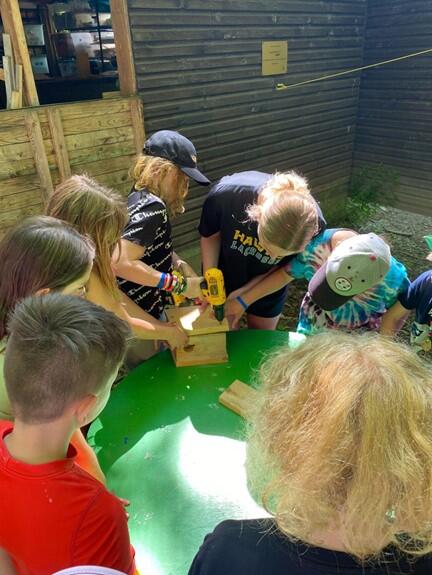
<point>322,294</point>
<point>196,175</point>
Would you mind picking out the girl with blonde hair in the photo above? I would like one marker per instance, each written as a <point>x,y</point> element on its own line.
<point>340,455</point>
<point>147,260</point>
<point>251,224</point>
<point>101,214</point>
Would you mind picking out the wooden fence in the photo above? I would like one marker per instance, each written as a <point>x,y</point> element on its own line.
<point>39,147</point>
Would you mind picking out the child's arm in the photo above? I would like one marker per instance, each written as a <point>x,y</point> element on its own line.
<point>86,457</point>
<point>254,290</point>
<point>210,250</point>
<point>393,319</point>
<point>127,265</point>
<point>143,325</point>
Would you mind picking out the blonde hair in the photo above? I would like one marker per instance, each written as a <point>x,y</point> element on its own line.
<point>150,172</point>
<point>96,212</point>
<point>285,212</point>
<point>342,438</point>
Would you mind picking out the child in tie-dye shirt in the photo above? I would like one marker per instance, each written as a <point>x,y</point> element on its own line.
<point>353,281</point>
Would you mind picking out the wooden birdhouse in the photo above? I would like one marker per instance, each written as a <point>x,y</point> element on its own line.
<point>207,336</point>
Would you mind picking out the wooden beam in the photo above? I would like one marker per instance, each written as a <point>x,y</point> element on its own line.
<point>12,23</point>
<point>239,397</point>
<point>9,81</point>
<point>137,114</point>
<point>123,43</point>
<point>34,133</point>
<point>2,75</point>
<point>59,142</point>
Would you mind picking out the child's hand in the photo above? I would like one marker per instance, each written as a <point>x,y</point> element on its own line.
<point>193,289</point>
<point>176,337</point>
<point>233,311</point>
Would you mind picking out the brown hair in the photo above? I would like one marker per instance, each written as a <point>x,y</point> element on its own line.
<point>342,438</point>
<point>40,252</point>
<point>285,212</point>
<point>149,172</point>
<point>95,211</point>
<point>60,349</point>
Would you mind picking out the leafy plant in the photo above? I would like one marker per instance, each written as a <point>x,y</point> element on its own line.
<point>370,187</point>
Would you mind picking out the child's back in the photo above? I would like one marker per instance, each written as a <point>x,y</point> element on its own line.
<point>62,356</point>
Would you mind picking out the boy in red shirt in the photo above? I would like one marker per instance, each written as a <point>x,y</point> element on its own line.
<point>62,357</point>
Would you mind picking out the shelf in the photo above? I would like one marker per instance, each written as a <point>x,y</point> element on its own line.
<point>87,29</point>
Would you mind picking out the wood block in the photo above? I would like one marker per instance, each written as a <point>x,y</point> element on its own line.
<point>194,322</point>
<point>207,336</point>
<point>238,397</point>
<point>202,350</point>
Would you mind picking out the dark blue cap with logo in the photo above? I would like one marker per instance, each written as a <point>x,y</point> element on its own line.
<point>177,149</point>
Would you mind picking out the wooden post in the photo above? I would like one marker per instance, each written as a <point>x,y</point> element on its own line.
<point>136,107</point>
<point>59,142</point>
<point>34,133</point>
<point>12,23</point>
<point>123,43</point>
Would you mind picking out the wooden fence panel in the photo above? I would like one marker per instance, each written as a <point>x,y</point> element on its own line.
<point>394,123</point>
<point>39,147</point>
<point>198,65</point>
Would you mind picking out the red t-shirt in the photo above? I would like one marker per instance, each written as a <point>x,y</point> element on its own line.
<point>56,515</point>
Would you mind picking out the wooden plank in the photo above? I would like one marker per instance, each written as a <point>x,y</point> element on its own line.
<point>195,322</point>
<point>18,86</point>
<point>137,114</point>
<point>104,152</point>
<point>12,23</point>
<point>7,67</point>
<point>239,397</point>
<point>206,349</point>
<point>2,75</point>
<point>125,63</point>
<point>85,124</point>
<point>59,142</point>
<point>101,137</point>
<point>41,161</point>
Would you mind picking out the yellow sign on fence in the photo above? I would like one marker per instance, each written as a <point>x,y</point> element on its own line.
<point>274,58</point>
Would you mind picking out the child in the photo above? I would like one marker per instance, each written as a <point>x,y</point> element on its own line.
<point>62,357</point>
<point>40,255</point>
<point>146,260</point>
<point>418,298</point>
<point>101,214</point>
<point>353,281</point>
<point>340,455</point>
<point>249,222</point>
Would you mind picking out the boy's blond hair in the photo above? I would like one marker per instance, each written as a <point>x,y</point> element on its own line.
<point>341,439</point>
<point>149,172</point>
<point>285,212</point>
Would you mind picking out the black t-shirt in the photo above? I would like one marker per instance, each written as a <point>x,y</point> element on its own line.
<point>242,257</point>
<point>256,547</point>
<point>149,227</point>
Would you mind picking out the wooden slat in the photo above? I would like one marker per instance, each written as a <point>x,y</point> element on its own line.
<point>239,397</point>
<point>137,115</point>
<point>121,28</point>
<point>41,161</point>
<point>59,142</point>
<point>12,23</point>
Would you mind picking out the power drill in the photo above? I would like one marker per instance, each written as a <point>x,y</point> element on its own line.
<point>213,289</point>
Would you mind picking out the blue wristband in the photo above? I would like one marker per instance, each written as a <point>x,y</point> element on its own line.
<point>242,302</point>
<point>161,281</point>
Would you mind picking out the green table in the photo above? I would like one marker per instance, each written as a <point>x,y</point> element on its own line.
<point>167,445</point>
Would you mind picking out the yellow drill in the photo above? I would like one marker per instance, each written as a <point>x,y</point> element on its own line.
<point>213,289</point>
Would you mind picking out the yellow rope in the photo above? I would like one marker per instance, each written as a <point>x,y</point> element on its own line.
<point>285,87</point>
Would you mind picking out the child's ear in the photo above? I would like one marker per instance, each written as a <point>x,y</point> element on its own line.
<point>84,409</point>
<point>43,291</point>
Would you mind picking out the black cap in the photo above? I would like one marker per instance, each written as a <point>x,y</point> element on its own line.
<point>177,149</point>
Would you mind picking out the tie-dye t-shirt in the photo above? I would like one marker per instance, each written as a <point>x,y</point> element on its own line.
<point>363,311</point>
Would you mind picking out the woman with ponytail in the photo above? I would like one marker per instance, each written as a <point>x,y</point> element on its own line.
<point>252,223</point>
